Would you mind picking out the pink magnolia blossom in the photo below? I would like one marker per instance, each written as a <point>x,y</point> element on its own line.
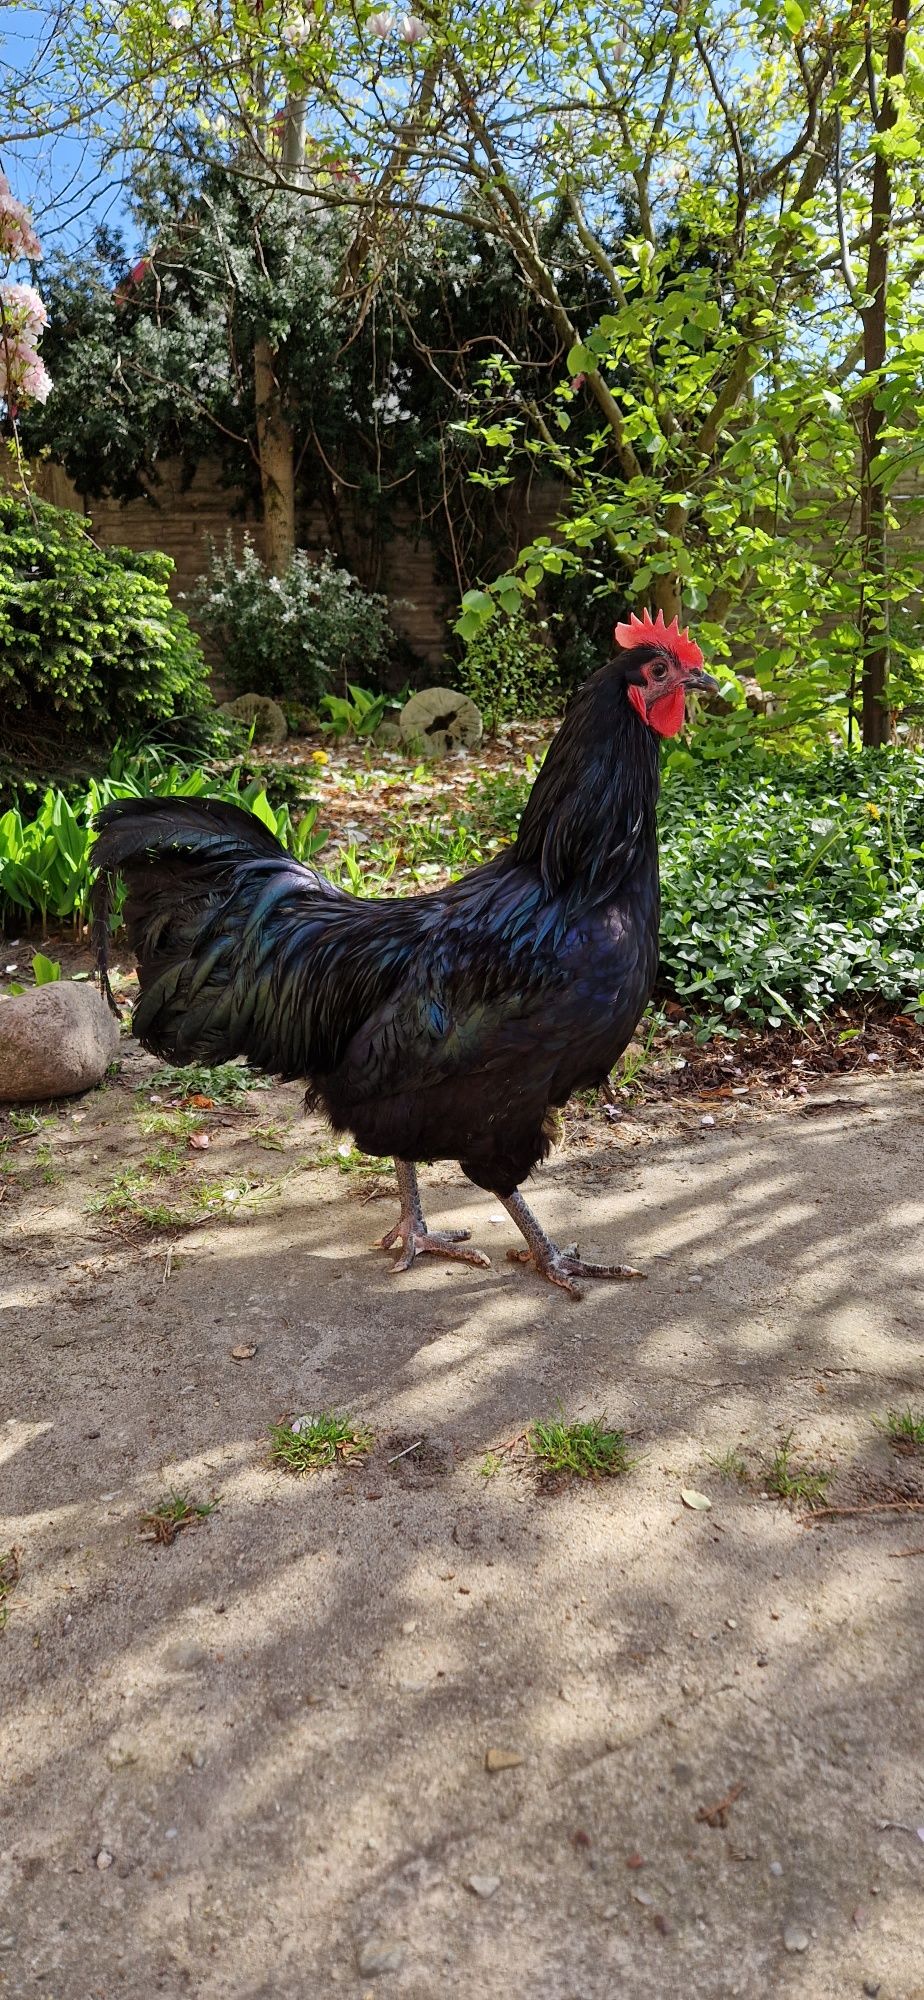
<point>23,375</point>
<point>413,30</point>
<point>380,24</point>
<point>17,236</point>
<point>23,311</point>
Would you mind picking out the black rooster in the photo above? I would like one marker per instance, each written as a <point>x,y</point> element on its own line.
<point>445,1026</point>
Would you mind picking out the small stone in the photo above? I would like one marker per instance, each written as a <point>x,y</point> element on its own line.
<point>502,1760</point>
<point>409,1626</point>
<point>172,1833</point>
<point>104,1859</point>
<point>245,1352</point>
<point>732,1624</point>
<point>795,1938</point>
<point>483,1885</point>
<point>259,713</point>
<point>872,1987</point>
<point>380,1954</point>
<point>776,1867</point>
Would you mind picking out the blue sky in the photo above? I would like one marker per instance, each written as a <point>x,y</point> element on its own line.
<point>60,177</point>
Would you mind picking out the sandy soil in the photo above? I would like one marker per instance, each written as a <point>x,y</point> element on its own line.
<point>252,1764</point>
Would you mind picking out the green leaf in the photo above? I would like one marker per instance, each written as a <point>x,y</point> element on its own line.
<point>262,810</point>
<point>45,970</point>
<point>794,17</point>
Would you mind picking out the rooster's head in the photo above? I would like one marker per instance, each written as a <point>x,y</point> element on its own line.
<point>661,666</point>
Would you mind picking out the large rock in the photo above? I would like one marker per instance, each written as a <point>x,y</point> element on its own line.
<point>54,1041</point>
<point>439,720</point>
<point>258,712</point>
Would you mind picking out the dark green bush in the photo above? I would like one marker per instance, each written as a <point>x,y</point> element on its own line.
<point>90,645</point>
<point>788,885</point>
<point>791,885</point>
<point>508,670</point>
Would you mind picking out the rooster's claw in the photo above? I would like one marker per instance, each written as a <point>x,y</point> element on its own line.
<point>417,1242</point>
<point>562,1267</point>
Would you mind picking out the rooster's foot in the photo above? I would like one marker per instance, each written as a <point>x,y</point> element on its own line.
<point>562,1270</point>
<point>415,1238</point>
<point>560,1267</point>
<point>419,1241</point>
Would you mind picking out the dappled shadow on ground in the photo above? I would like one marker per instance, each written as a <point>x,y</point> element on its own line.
<point>277,1727</point>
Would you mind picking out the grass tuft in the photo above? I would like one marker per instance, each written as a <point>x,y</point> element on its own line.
<point>225,1083</point>
<point>10,1572</point>
<point>730,1465</point>
<point>308,1444</point>
<point>905,1428</point>
<point>178,1511</point>
<point>791,1482</point>
<point>584,1450</point>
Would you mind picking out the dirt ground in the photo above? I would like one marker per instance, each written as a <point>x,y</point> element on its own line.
<point>253,1763</point>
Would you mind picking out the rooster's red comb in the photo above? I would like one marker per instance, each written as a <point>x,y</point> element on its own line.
<point>648,631</point>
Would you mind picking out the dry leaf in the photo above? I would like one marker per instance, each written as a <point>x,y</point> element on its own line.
<point>502,1760</point>
<point>699,1502</point>
<point>199,1140</point>
<point>244,1353</point>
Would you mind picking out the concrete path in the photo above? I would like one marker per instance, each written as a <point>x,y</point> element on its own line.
<point>251,1766</point>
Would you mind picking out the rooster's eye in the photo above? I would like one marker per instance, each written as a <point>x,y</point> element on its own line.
<point>658,673</point>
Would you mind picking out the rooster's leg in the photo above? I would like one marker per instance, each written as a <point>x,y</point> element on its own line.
<point>412,1233</point>
<point>561,1267</point>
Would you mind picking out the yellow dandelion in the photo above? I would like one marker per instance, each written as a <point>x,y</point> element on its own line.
<point>873,811</point>
<point>321,757</point>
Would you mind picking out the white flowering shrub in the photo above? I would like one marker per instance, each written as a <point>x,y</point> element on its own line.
<point>291,636</point>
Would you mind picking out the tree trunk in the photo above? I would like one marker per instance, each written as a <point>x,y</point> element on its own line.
<point>275,442</point>
<point>665,591</point>
<point>277,460</point>
<point>874,614</point>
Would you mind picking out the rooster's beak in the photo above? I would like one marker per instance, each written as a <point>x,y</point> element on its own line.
<point>699,682</point>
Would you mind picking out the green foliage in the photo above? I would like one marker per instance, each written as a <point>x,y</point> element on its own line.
<point>789,888</point>
<point>357,713</point>
<point>45,971</point>
<point>90,644</point>
<point>45,862</point>
<point>507,669</point>
<point>289,636</point>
